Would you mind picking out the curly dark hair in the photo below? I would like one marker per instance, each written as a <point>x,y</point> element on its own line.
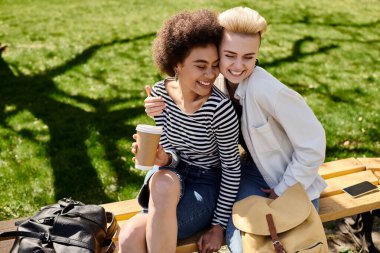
<point>181,33</point>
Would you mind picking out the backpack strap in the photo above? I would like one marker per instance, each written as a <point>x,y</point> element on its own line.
<point>110,248</point>
<point>273,234</point>
<point>111,231</point>
<point>112,228</point>
<point>46,238</point>
<point>12,234</point>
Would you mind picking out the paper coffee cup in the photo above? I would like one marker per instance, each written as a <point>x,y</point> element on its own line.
<point>148,138</point>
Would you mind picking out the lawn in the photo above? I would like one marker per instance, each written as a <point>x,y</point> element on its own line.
<point>72,78</point>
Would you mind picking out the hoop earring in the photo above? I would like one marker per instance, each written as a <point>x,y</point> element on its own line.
<point>176,75</point>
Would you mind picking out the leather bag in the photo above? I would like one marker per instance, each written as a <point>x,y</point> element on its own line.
<point>68,226</point>
<point>289,223</point>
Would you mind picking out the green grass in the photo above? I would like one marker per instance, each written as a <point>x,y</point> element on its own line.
<point>72,78</point>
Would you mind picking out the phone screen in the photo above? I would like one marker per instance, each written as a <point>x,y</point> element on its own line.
<point>359,189</point>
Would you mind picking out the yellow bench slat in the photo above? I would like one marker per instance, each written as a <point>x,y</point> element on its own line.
<point>5,246</point>
<point>370,163</point>
<point>186,248</point>
<point>336,184</point>
<point>123,210</point>
<point>377,174</point>
<point>340,167</point>
<point>343,205</point>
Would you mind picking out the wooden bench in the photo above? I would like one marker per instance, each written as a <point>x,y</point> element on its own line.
<point>334,203</point>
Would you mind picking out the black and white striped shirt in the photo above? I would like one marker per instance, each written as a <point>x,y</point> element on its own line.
<point>207,138</point>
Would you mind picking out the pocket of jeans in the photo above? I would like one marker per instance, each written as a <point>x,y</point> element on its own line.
<point>209,177</point>
<point>264,137</point>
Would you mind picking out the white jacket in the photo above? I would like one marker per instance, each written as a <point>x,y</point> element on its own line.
<point>283,136</point>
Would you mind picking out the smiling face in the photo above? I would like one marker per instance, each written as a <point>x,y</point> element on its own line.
<point>238,53</point>
<point>198,71</point>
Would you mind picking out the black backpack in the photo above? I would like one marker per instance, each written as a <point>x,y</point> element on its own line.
<point>68,226</point>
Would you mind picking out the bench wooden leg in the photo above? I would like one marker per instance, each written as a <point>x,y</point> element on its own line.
<point>360,230</point>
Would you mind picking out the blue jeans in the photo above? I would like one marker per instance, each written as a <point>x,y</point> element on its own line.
<point>250,184</point>
<point>198,196</point>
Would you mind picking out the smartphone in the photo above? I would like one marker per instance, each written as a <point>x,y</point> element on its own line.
<point>360,189</point>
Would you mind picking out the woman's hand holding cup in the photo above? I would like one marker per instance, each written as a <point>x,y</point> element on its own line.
<point>162,158</point>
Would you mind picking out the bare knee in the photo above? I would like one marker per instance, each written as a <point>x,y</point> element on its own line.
<point>132,237</point>
<point>165,188</point>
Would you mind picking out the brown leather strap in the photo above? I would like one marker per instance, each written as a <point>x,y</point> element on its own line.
<point>273,234</point>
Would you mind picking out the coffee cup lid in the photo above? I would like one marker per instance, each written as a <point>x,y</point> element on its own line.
<point>149,129</point>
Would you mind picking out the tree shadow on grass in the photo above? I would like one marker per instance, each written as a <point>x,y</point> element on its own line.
<point>339,96</point>
<point>342,95</point>
<point>69,126</point>
<point>298,53</point>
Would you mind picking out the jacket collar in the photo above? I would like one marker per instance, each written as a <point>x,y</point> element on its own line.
<point>243,86</point>
<point>241,90</point>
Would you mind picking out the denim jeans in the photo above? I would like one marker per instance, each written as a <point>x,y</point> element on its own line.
<point>198,196</point>
<point>250,184</point>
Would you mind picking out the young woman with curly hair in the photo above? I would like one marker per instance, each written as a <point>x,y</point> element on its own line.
<point>201,130</point>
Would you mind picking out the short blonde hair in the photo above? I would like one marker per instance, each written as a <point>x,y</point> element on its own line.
<point>243,20</point>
